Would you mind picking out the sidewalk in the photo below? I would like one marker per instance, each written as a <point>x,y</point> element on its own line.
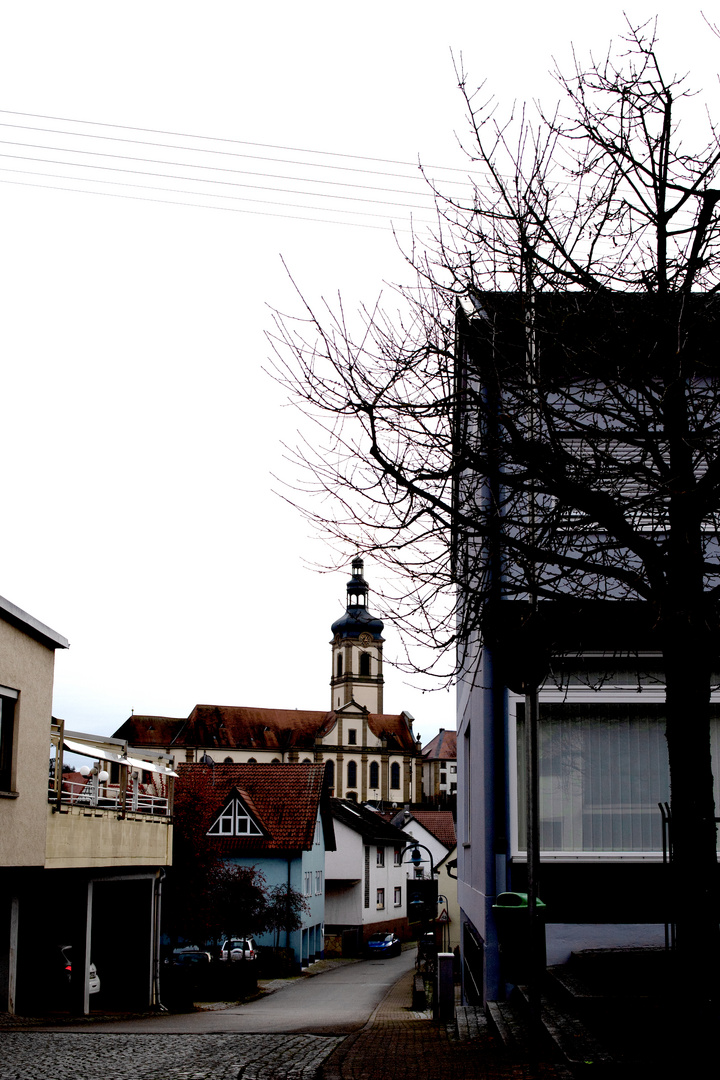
<point>401,1044</point>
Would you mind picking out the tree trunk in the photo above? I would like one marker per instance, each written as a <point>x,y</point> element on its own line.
<point>694,874</point>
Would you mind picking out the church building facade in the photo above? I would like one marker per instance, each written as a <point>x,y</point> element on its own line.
<point>371,756</point>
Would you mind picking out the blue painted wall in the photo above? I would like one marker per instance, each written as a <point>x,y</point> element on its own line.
<point>308,942</point>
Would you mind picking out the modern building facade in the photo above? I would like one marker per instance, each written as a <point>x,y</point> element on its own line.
<point>601,749</point>
<point>82,857</point>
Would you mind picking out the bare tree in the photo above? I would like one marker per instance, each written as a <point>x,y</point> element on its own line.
<point>573,451</point>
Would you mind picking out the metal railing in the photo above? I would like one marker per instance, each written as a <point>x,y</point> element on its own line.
<point>134,798</point>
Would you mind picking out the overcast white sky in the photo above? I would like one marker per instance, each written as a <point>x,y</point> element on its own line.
<point>139,431</point>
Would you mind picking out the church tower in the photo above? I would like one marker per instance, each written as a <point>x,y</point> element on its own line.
<point>357,650</point>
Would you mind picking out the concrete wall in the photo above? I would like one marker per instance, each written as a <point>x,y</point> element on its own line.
<point>28,667</point>
<point>86,837</point>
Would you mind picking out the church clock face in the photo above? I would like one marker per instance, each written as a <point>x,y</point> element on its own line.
<point>366,639</point>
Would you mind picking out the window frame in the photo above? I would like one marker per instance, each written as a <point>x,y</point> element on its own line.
<point>380,855</point>
<point>351,783</point>
<point>8,740</point>
<point>233,813</point>
<point>620,694</point>
<point>397,896</point>
<point>380,899</point>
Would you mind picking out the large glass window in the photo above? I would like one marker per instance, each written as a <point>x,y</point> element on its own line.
<point>603,769</point>
<point>374,775</point>
<point>352,774</point>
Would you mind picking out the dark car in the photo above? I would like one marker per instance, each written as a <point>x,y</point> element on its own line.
<point>190,957</point>
<point>384,945</point>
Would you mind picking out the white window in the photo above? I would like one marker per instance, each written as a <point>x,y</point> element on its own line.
<point>397,896</point>
<point>308,883</point>
<point>380,856</point>
<point>380,899</point>
<point>318,882</point>
<point>397,856</point>
<point>234,820</point>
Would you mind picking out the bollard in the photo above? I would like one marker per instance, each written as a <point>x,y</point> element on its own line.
<point>445,988</point>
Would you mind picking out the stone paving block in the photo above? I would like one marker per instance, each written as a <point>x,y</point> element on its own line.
<point>92,1056</point>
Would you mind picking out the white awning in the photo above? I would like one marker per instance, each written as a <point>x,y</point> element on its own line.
<point>103,754</point>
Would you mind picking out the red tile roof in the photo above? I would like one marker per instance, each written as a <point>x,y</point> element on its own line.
<point>150,730</point>
<point>443,747</point>
<point>395,726</point>
<point>227,727</point>
<point>438,822</point>
<point>285,799</point>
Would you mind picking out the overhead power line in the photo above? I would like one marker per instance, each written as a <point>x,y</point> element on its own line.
<point>344,189</point>
<point>236,142</point>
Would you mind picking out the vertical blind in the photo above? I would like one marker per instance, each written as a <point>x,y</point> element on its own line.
<point>603,769</point>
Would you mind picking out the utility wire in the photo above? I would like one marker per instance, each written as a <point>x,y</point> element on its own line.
<point>180,191</point>
<point>235,142</point>
<point>201,180</point>
<point>220,153</point>
<point>203,206</point>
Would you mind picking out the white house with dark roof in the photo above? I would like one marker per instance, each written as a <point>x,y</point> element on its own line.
<point>365,878</point>
<point>439,767</point>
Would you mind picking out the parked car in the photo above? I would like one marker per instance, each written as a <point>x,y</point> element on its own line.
<point>66,961</point>
<point>384,945</point>
<point>190,957</point>
<point>238,949</point>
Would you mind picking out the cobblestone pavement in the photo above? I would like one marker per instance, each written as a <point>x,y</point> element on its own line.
<point>35,1055</point>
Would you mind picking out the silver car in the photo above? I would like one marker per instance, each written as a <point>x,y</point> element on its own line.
<point>238,949</point>
<point>93,977</point>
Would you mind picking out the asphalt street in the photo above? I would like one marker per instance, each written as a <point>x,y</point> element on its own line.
<point>285,1034</point>
<point>337,1002</point>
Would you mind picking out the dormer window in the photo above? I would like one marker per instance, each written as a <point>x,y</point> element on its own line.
<point>234,820</point>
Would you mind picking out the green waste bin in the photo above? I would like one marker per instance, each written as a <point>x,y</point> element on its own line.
<point>512,919</point>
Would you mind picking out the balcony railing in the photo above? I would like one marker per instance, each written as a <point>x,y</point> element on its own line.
<point>138,786</point>
<point>137,798</point>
